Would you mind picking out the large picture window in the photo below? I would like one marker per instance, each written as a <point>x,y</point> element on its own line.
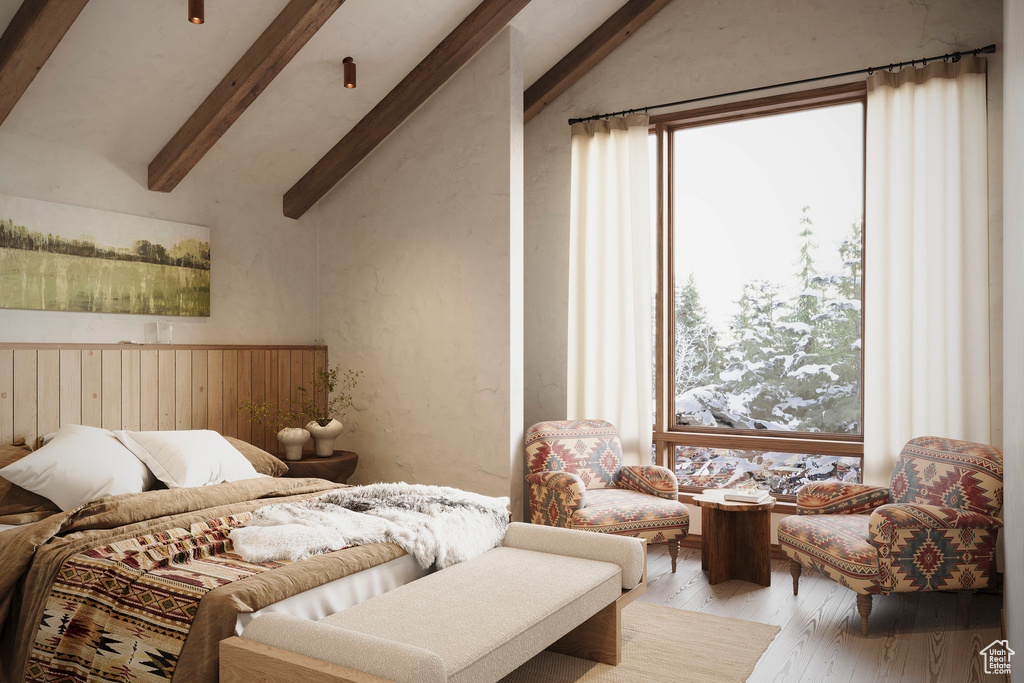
<point>760,291</point>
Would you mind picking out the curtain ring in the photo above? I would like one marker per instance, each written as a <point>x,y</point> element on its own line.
<point>956,57</point>
<point>924,62</point>
<point>871,71</point>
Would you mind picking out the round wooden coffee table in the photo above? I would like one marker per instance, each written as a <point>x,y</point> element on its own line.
<point>735,539</point>
<point>337,468</point>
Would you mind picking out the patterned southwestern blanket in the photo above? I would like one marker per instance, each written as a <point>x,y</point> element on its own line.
<point>122,611</point>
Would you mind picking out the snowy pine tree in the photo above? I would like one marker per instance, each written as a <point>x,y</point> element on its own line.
<point>699,358</point>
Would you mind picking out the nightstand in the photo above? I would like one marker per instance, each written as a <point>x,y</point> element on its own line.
<point>337,468</point>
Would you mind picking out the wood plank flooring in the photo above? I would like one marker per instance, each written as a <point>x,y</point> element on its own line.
<point>914,637</point>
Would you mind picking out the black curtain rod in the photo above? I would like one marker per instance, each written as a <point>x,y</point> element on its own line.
<point>950,57</point>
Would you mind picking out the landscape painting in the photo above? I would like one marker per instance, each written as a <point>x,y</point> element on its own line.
<point>68,258</point>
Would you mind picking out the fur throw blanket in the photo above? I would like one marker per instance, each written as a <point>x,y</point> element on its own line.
<point>434,524</point>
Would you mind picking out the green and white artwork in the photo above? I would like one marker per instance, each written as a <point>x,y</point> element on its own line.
<point>68,258</point>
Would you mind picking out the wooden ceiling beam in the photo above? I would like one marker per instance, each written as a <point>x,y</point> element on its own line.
<point>588,53</point>
<point>449,56</point>
<point>294,26</point>
<point>28,41</point>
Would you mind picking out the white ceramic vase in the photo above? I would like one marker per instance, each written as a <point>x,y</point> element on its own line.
<point>293,439</point>
<point>323,437</point>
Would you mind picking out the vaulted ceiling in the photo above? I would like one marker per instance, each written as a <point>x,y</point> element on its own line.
<point>129,73</point>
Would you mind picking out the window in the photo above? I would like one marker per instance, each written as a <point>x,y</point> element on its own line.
<point>760,225</point>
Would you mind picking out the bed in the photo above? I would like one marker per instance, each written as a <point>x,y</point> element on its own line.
<point>159,557</point>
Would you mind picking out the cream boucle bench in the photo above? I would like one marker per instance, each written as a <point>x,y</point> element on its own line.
<point>543,588</point>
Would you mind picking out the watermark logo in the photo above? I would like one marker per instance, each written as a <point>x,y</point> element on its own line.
<point>997,657</point>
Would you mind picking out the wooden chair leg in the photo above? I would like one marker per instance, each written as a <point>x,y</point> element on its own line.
<point>965,599</point>
<point>673,551</point>
<point>864,607</point>
<point>795,568</point>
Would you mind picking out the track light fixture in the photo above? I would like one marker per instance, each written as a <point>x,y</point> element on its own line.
<point>196,13</point>
<point>350,72</point>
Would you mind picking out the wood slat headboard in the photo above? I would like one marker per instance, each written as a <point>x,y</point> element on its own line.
<point>148,387</point>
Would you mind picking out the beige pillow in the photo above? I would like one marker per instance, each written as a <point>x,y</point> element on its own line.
<point>15,500</point>
<point>262,462</point>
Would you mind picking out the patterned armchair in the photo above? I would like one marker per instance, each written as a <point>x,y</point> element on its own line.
<point>933,529</point>
<point>577,481</point>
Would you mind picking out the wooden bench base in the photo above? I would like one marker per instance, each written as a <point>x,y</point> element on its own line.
<point>599,638</point>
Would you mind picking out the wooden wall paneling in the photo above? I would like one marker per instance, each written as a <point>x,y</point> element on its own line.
<point>118,386</point>
<point>111,396</point>
<point>305,380</point>
<point>25,395</point>
<point>131,392</point>
<point>48,391</point>
<point>200,379</point>
<point>244,394</point>
<point>92,388</point>
<point>231,393</point>
<point>294,381</point>
<point>183,389</point>
<point>257,432</point>
<point>215,391</point>
<point>70,386</point>
<point>284,363</point>
<point>149,397</point>
<point>308,368</point>
<point>295,373</point>
<point>165,388</point>
<point>269,433</point>
<point>6,397</point>
<point>320,364</point>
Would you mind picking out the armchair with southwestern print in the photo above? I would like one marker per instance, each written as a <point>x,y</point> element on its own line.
<point>933,529</point>
<point>577,481</point>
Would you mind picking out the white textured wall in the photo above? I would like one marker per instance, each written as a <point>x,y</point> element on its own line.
<point>1013,439</point>
<point>263,279</point>
<point>421,286</point>
<point>694,48</point>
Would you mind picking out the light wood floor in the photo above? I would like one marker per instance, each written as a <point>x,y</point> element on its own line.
<point>913,638</point>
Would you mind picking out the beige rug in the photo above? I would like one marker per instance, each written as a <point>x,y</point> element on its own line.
<point>663,645</point>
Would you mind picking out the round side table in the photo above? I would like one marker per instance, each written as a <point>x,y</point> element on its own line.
<point>337,468</point>
<point>735,539</point>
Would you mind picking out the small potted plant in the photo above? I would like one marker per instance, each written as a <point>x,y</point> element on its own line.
<point>327,400</point>
<point>292,438</point>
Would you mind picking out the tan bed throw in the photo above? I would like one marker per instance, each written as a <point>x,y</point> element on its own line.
<point>100,537</point>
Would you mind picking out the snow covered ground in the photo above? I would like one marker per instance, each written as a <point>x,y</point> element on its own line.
<point>781,473</point>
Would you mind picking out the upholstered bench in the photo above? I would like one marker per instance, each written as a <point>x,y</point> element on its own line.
<point>544,588</point>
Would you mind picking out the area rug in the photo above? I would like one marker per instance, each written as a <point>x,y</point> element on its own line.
<point>663,645</point>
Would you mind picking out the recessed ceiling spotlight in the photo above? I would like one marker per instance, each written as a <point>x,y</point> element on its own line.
<point>350,72</point>
<point>196,11</point>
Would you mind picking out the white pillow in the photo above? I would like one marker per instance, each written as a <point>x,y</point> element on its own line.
<point>188,458</point>
<point>80,464</point>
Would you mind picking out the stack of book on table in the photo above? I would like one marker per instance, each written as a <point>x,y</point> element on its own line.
<point>741,495</point>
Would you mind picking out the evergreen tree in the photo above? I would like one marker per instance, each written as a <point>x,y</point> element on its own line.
<point>699,358</point>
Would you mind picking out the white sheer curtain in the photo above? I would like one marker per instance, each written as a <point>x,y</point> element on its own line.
<point>926,318</point>
<point>609,354</point>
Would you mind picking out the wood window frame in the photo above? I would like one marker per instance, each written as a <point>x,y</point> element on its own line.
<point>666,434</point>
